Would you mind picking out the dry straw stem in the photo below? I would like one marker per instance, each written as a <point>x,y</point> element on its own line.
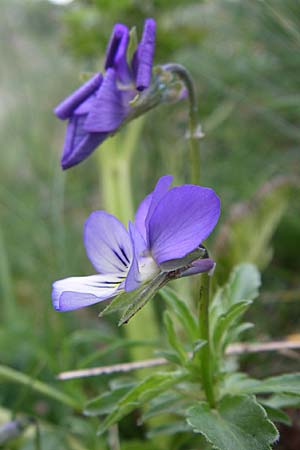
<point>234,349</point>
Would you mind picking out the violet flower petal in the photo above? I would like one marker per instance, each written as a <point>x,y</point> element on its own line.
<point>107,243</point>
<point>116,53</point>
<point>184,217</point>
<point>139,246</point>
<point>109,108</point>
<point>143,57</point>
<point>199,266</point>
<point>149,203</point>
<point>65,109</point>
<point>160,190</point>
<point>78,292</point>
<point>141,214</point>
<point>78,143</point>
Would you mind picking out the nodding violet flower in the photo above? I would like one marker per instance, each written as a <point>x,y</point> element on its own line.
<point>99,107</point>
<point>164,239</point>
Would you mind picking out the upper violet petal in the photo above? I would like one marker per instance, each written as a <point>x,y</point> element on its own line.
<point>184,217</point>
<point>109,108</point>
<point>141,214</point>
<point>116,54</point>
<point>143,58</point>
<point>66,108</point>
<point>160,190</point>
<point>107,243</point>
<point>78,292</point>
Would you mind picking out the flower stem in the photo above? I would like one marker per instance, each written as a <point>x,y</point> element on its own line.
<point>194,132</point>
<point>205,352</point>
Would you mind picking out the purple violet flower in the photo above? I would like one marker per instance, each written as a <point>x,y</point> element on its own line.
<point>101,105</point>
<point>169,225</point>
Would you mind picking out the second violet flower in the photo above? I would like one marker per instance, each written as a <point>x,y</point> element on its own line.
<point>169,225</point>
<point>100,106</point>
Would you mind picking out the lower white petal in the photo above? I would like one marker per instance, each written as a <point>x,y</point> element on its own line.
<point>77,292</point>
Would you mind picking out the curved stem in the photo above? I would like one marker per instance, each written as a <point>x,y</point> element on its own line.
<point>205,352</point>
<point>194,132</point>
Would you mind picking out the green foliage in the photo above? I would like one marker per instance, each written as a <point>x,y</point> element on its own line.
<point>229,304</point>
<point>240,423</point>
<point>282,384</point>
<point>237,419</point>
<point>262,213</point>
<point>242,56</point>
<point>139,395</point>
<point>182,312</point>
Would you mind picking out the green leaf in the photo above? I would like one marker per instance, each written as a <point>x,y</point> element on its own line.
<point>142,392</point>
<point>11,375</point>
<point>169,355</point>
<point>182,312</point>
<point>107,402</point>
<point>227,320</point>
<point>241,384</point>
<point>240,423</point>
<point>243,284</point>
<point>168,429</point>
<point>276,414</point>
<point>230,302</point>
<point>239,330</point>
<point>283,401</point>
<point>197,345</point>
<point>167,402</point>
<point>172,338</point>
<point>289,383</point>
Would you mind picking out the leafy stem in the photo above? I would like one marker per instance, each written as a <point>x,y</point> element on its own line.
<point>205,351</point>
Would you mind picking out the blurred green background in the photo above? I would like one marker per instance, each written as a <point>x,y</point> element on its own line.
<point>244,57</point>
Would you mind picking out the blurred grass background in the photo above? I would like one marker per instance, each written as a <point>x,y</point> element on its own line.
<point>244,56</point>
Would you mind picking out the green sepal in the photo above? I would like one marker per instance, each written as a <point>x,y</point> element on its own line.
<point>175,264</point>
<point>143,296</point>
<point>133,301</point>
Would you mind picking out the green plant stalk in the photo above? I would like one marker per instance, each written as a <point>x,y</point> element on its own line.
<point>194,131</point>
<point>114,165</point>
<point>205,351</point>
